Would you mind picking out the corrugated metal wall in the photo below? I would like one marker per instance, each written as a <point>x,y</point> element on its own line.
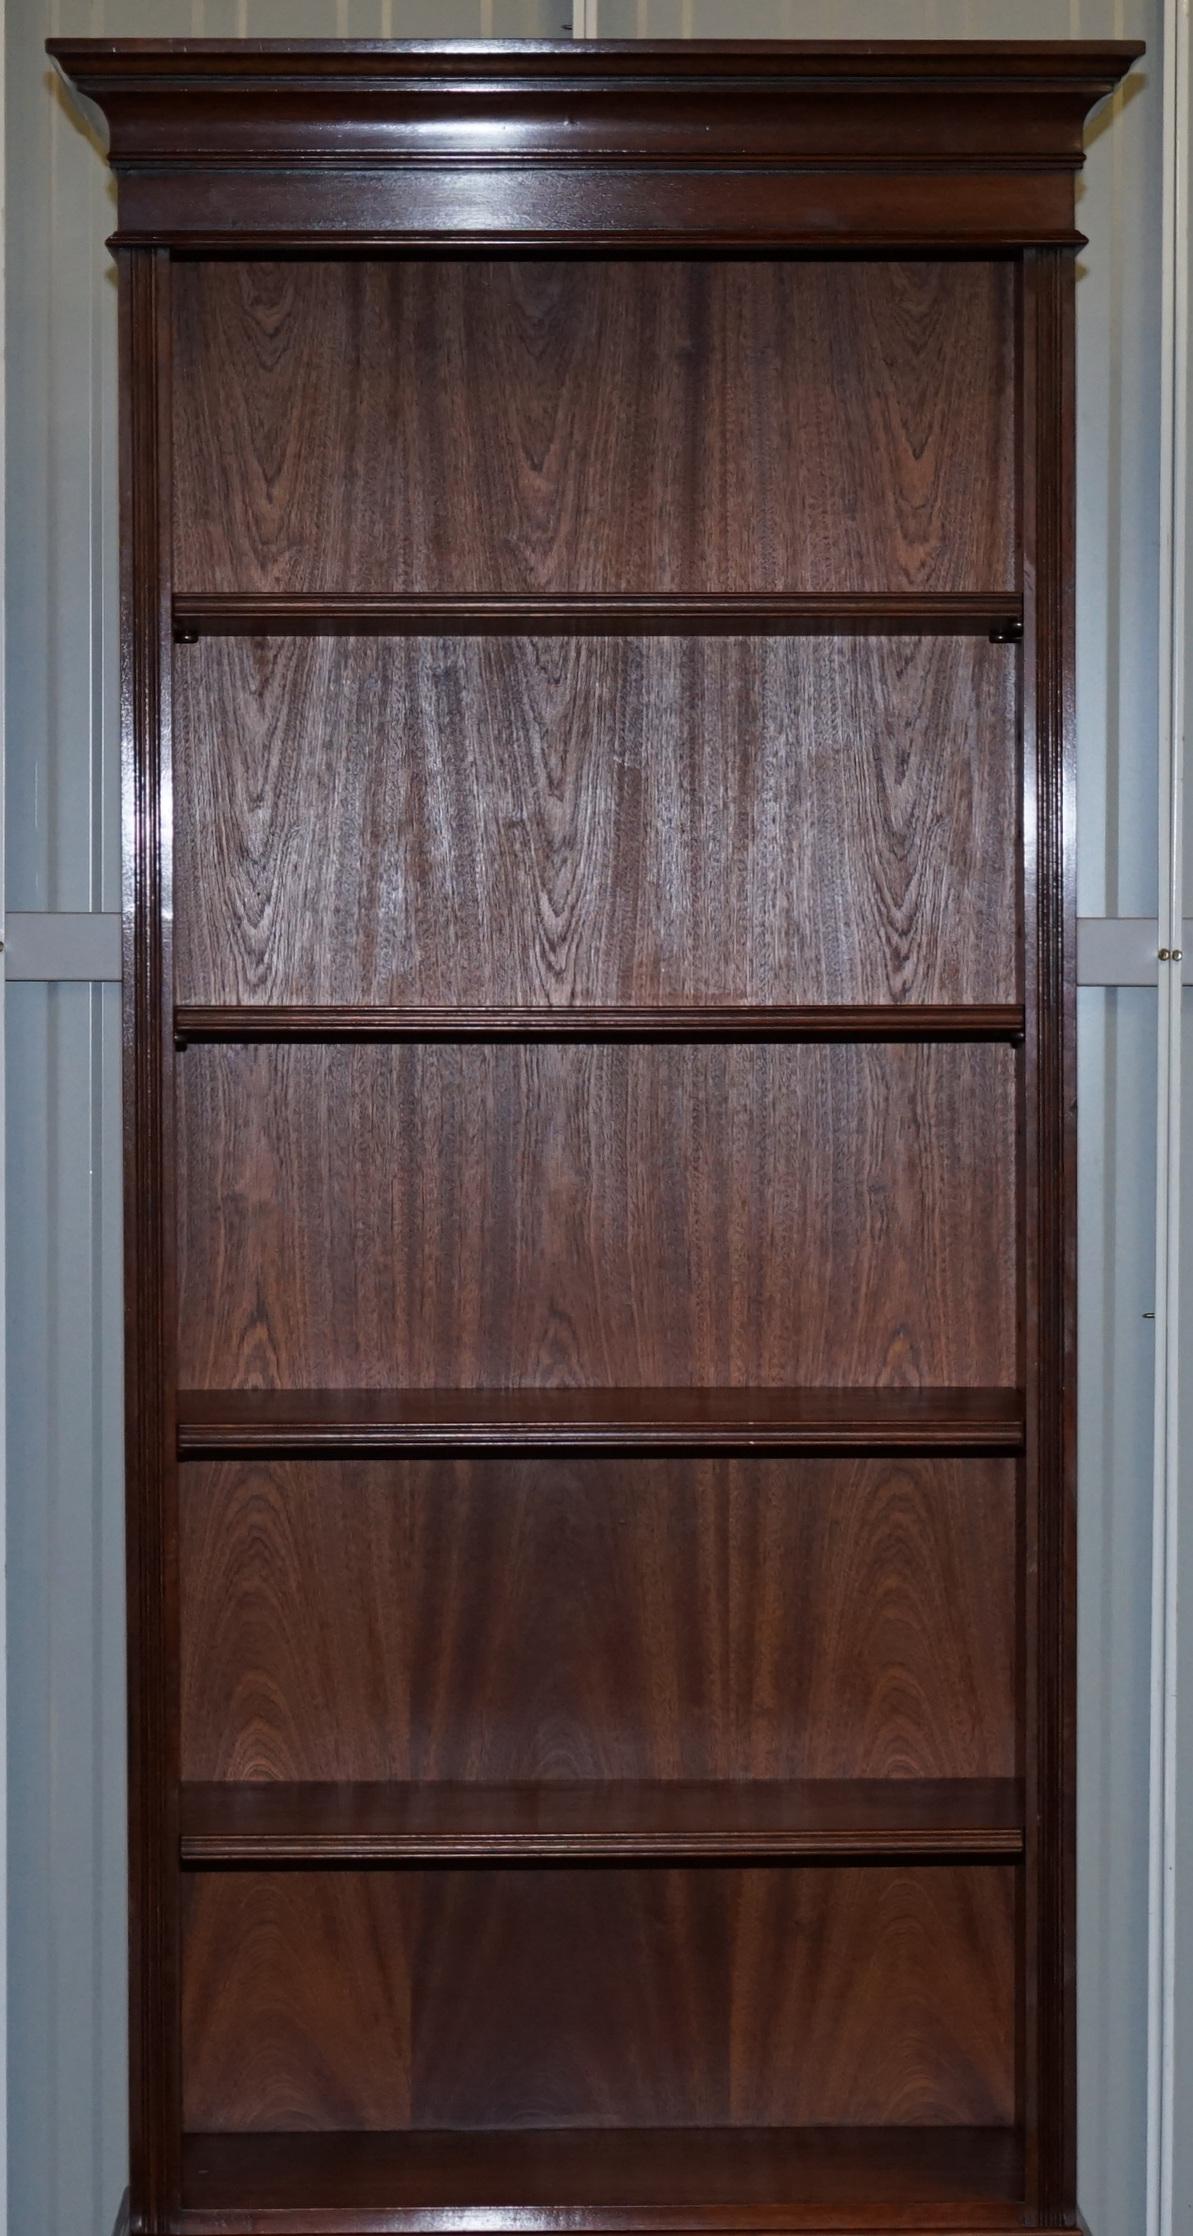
<point>65,1579</point>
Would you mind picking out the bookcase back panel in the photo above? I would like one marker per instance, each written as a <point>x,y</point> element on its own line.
<point>657,1619</point>
<point>512,425</point>
<point>595,820</point>
<point>443,1216</point>
<point>607,1997</point>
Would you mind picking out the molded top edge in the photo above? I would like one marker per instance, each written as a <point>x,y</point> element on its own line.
<point>711,141</point>
<point>1000,59</point>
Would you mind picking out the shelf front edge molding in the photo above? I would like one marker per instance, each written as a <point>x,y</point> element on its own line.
<point>793,142</point>
<point>337,1021</point>
<point>626,2180</point>
<point>997,614</point>
<point>273,1823</point>
<point>214,1421</point>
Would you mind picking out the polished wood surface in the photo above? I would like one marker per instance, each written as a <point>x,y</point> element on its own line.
<point>623,2180</point>
<point>898,1419</point>
<point>595,427</point>
<point>1050,1234</point>
<point>994,614</point>
<point>512,207</point>
<point>480,822</point>
<point>552,1619</point>
<point>599,1028</point>
<point>876,1995</point>
<point>610,1216</point>
<point>149,1234</point>
<point>382,144</point>
<point>389,1823</point>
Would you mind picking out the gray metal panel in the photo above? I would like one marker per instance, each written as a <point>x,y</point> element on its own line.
<point>1116,1266</point>
<point>1182,2213</point>
<point>63,825</point>
<point>1123,951</point>
<point>53,947</point>
<point>67,2071</point>
<point>67,2112</point>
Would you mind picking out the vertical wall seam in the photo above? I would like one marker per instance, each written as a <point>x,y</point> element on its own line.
<point>1174,525</point>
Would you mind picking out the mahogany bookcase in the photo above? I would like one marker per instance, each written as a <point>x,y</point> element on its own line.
<point>597,702</point>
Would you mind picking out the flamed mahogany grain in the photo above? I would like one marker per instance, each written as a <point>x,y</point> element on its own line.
<point>546,425</point>
<point>537,822</point>
<point>657,1619</point>
<point>490,1216</point>
<point>295,2002</point>
<point>503,1998</point>
<point>929,1950</point>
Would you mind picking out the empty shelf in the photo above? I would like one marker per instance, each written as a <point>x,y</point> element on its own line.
<point>340,1021</point>
<point>605,2178</point>
<point>275,1823</point>
<point>610,1420</point>
<point>994,613</point>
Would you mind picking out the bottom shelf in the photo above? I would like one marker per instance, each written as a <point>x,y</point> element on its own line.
<point>601,2178</point>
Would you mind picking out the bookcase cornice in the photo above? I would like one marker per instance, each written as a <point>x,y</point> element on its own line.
<point>804,144</point>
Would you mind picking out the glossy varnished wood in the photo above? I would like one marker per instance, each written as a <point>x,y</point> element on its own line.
<point>633,2179</point>
<point>149,1229</point>
<point>507,207</point>
<point>600,427</point>
<point>703,1420</point>
<point>996,614</point>
<point>603,823</point>
<point>504,1998</point>
<point>657,1619</point>
<point>1049,1159</point>
<point>497,1217</point>
<point>386,144</point>
<point>275,1823</point>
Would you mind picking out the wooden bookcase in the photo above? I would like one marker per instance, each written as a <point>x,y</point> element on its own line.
<point>597,695</point>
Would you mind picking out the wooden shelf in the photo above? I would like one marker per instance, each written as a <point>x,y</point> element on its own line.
<point>274,1824</point>
<point>338,1021</point>
<point>605,2178</point>
<point>212,1421</point>
<point>996,614</point>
